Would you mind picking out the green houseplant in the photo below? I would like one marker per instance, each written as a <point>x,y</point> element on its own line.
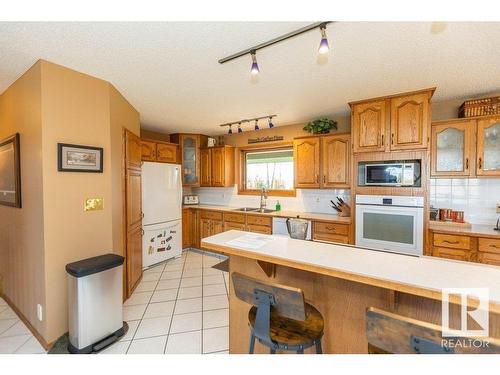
<point>320,126</point>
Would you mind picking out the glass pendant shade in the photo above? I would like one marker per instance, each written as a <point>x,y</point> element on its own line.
<point>271,125</point>
<point>256,125</point>
<point>239,129</point>
<point>254,70</point>
<point>323,45</point>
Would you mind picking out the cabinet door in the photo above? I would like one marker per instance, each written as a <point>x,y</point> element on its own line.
<point>166,153</point>
<point>186,228</point>
<point>488,147</point>
<point>218,167</point>
<point>134,258</point>
<point>259,229</point>
<point>148,151</point>
<point>335,152</point>
<point>368,126</point>
<point>306,162</point>
<point>410,116</point>
<point>217,227</point>
<point>133,150</point>
<point>205,228</point>
<point>452,149</point>
<point>195,228</point>
<point>448,253</point>
<point>134,198</point>
<point>488,258</point>
<point>228,225</point>
<point>190,146</point>
<point>205,166</point>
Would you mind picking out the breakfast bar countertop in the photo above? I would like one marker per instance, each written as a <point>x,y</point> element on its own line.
<point>303,215</point>
<point>421,276</point>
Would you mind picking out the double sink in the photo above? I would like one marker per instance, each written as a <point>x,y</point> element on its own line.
<point>252,209</point>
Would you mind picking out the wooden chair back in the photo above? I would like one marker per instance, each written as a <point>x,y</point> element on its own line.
<point>392,333</point>
<point>288,302</point>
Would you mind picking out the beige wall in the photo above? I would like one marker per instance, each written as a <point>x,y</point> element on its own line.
<point>21,229</point>
<point>52,104</point>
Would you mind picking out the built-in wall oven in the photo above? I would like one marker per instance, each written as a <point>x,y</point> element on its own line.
<point>390,223</point>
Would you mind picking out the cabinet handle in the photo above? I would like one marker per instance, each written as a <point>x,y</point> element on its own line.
<point>324,178</point>
<point>494,246</point>
<point>480,163</point>
<point>392,138</point>
<point>382,140</point>
<point>142,215</point>
<point>451,242</point>
<point>317,178</point>
<point>142,232</point>
<point>466,163</point>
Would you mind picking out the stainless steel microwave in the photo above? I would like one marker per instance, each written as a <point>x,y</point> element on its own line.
<point>405,173</point>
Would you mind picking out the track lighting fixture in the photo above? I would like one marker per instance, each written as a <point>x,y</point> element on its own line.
<point>256,125</point>
<point>323,45</point>
<point>254,70</point>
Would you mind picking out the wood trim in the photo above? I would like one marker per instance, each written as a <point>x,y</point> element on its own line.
<point>32,329</point>
<point>242,190</point>
<point>430,89</point>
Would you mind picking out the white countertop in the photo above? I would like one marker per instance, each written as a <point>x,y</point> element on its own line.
<point>393,271</point>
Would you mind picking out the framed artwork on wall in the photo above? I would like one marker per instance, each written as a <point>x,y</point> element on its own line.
<point>77,158</point>
<point>10,171</point>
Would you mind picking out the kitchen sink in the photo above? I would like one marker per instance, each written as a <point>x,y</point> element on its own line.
<point>252,209</point>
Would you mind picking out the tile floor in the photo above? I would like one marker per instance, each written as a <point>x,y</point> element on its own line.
<point>180,307</point>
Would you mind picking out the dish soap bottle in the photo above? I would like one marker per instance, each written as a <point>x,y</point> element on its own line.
<point>278,206</point>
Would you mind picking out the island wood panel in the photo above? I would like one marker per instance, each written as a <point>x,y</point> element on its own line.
<point>342,303</point>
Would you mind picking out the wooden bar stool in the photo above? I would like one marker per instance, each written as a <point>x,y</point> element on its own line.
<point>280,318</point>
<point>390,333</point>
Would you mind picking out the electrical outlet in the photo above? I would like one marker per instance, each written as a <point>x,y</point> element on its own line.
<point>498,208</point>
<point>39,312</point>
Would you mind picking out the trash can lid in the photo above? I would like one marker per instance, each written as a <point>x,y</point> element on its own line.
<point>93,265</point>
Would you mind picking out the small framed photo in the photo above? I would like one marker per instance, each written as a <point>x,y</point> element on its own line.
<point>77,158</point>
<point>10,172</point>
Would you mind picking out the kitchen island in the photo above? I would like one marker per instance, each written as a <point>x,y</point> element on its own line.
<point>342,281</point>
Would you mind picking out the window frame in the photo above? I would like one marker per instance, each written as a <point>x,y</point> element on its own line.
<point>242,190</point>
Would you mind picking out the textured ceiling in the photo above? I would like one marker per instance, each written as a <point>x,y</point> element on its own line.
<point>169,71</point>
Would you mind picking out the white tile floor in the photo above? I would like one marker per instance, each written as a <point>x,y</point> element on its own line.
<point>180,307</point>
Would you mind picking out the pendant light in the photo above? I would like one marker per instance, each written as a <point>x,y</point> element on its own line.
<point>230,131</point>
<point>323,45</point>
<point>254,70</point>
<point>256,125</point>
<point>271,125</point>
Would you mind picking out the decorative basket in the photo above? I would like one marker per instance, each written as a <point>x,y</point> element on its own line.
<point>480,107</point>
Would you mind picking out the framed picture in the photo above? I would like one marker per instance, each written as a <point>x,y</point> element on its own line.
<point>75,158</point>
<point>10,172</point>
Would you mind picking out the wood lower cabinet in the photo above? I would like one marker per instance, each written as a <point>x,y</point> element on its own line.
<point>331,232</point>
<point>217,166</point>
<point>323,161</point>
<point>157,151</point>
<point>259,229</point>
<point>393,123</point>
<point>210,223</point>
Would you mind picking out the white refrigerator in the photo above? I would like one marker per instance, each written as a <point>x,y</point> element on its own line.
<point>162,208</point>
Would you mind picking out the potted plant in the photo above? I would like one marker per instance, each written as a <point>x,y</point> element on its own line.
<point>320,126</point>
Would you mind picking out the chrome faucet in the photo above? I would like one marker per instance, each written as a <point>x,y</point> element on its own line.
<point>263,199</point>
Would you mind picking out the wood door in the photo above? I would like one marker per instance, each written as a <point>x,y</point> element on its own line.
<point>166,153</point>
<point>218,166</point>
<point>306,162</point>
<point>205,228</point>
<point>133,212</point>
<point>335,151</point>
<point>368,126</point>
<point>186,228</point>
<point>452,149</point>
<point>205,167</point>
<point>134,258</point>
<point>410,120</point>
<point>488,147</point>
<point>148,151</point>
<point>133,151</point>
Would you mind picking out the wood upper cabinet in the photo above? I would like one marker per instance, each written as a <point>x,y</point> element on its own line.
<point>452,148</point>
<point>392,123</point>
<point>157,151</point>
<point>306,157</point>
<point>335,151</point>
<point>368,123</point>
<point>133,151</point>
<point>410,121</point>
<point>190,145</point>
<point>148,151</point>
<point>488,146</point>
<point>217,166</point>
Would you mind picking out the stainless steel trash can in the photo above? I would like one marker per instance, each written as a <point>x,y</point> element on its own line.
<point>95,287</point>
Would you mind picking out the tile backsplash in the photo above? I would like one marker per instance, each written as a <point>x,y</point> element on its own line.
<point>306,200</point>
<point>476,197</point>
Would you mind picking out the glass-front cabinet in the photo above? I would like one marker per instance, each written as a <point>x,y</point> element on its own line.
<point>190,156</point>
<point>488,147</point>
<point>452,144</point>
